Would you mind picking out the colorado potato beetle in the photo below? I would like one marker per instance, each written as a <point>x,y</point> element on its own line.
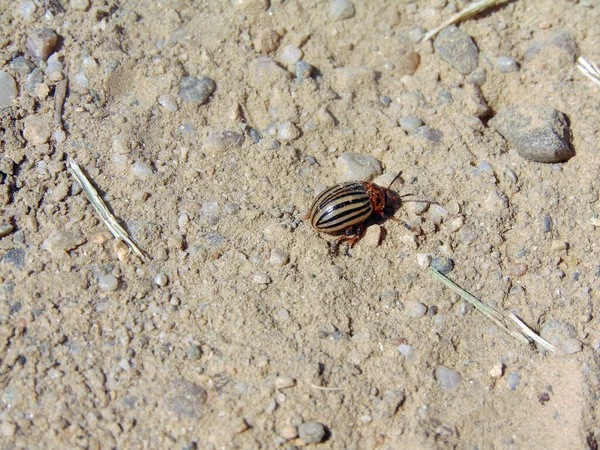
<point>345,207</point>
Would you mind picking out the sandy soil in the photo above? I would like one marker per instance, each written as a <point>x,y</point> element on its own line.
<point>213,343</point>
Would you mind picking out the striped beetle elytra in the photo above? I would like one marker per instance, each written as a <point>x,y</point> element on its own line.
<point>346,206</point>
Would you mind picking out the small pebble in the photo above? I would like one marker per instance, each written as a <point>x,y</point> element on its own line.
<point>194,352</point>
<point>196,90</point>
<point>457,48</point>
<point>409,63</point>
<point>513,379</point>
<point>8,429</point>
<point>311,432</point>
<point>547,223</point>
<point>287,131</point>
<point>384,100</point>
<point>558,246</point>
<point>80,5</point>
<point>252,7</point>
<point>511,175</point>
<point>27,11</point>
<point>41,43</point>
<point>8,89</point>
<point>108,282</point>
<point>539,133</point>
<point>341,9</point>
<point>410,124</point>
<point>355,167</point>
<point>266,41</point>
<point>279,257</point>
<point>543,397</point>
<point>372,236</point>
<point>423,260</point>
<point>405,350</point>
<point>291,54</point>
<point>497,371</point>
<point>231,208</point>
<point>210,209</point>
<point>261,278</point>
<point>59,136</point>
<point>414,309</point>
<point>37,129</point>
<point>161,280</point>
<point>222,141</point>
<point>62,241</point>
<point>448,379</point>
<point>416,34</point>
<point>142,169</point>
<point>6,229</point>
<point>303,71</point>
<point>562,335</point>
<point>507,64</point>
<point>168,102</point>
<point>182,221</point>
<point>443,265</point>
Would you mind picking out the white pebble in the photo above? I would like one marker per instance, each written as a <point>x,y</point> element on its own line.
<point>90,63</point>
<point>8,89</point>
<point>80,5</point>
<point>81,79</point>
<point>423,260</point>
<point>437,213</point>
<point>210,209</point>
<point>232,208</point>
<point>161,280</point>
<point>141,169</point>
<point>168,102</point>
<point>291,54</point>
<point>27,10</point>
<point>372,237</point>
<point>183,221</point>
<point>287,131</point>
<point>448,379</point>
<point>405,350</point>
<point>108,282</point>
<point>120,144</point>
<point>8,429</point>
<point>261,278</point>
<point>497,371</point>
<point>59,136</point>
<point>416,310</point>
<point>279,257</point>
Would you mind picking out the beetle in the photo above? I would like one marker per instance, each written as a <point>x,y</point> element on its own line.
<point>345,207</point>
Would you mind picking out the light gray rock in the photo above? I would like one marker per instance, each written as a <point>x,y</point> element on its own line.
<point>341,9</point>
<point>8,89</point>
<point>507,64</point>
<point>539,133</point>
<point>41,43</point>
<point>311,432</point>
<point>196,90</point>
<point>562,335</point>
<point>222,141</point>
<point>458,49</point>
<point>355,167</point>
<point>448,379</point>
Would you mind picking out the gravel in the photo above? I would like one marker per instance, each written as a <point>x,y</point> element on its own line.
<point>562,335</point>
<point>410,124</point>
<point>443,265</point>
<point>539,133</point>
<point>312,432</point>
<point>168,102</point>
<point>59,241</point>
<point>196,90</point>
<point>41,43</point>
<point>279,257</point>
<point>415,310</point>
<point>287,131</point>
<point>6,229</point>
<point>8,89</point>
<point>266,41</point>
<point>507,64</point>
<point>291,54</point>
<point>303,71</point>
<point>458,49</point>
<point>448,379</point>
<point>108,282</point>
<point>161,280</point>
<point>355,167</point>
<point>341,9</point>
<point>222,141</point>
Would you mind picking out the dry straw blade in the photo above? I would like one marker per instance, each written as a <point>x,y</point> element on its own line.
<point>589,69</point>
<point>523,334</point>
<point>107,217</point>
<point>469,11</point>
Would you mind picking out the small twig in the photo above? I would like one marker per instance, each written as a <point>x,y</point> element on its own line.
<point>60,94</point>
<point>490,313</point>
<point>107,217</point>
<point>528,332</point>
<point>589,69</point>
<point>469,11</point>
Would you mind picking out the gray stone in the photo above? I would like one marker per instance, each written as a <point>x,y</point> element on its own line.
<point>507,64</point>
<point>196,90</point>
<point>431,134</point>
<point>448,379</point>
<point>8,89</point>
<point>513,379</point>
<point>222,141</point>
<point>194,352</point>
<point>416,310</point>
<point>62,241</point>
<point>539,133</point>
<point>341,9</point>
<point>186,399</point>
<point>41,43</point>
<point>562,335</point>
<point>108,282</point>
<point>443,265</point>
<point>311,432</point>
<point>355,167</point>
<point>22,65</point>
<point>35,77</point>
<point>15,256</point>
<point>458,49</point>
<point>410,123</point>
<point>303,70</point>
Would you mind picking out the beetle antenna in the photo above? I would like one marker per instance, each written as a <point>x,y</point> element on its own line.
<point>395,178</point>
<point>418,200</point>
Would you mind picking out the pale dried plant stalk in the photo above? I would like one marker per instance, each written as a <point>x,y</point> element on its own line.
<point>469,11</point>
<point>589,69</point>
<point>107,217</point>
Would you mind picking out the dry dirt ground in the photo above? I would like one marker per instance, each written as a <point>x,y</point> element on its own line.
<point>215,343</point>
